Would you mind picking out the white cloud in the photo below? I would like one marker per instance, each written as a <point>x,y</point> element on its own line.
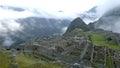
<point>7,26</point>
<point>105,5</point>
<point>8,41</point>
<point>112,23</point>
<point>69,7</point>
<point>64,29</point>
<point>46,8</point>
<point>9,14</point>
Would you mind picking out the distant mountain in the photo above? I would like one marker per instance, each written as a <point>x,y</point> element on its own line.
<point>39,43</point>
<point>42,26</point>
<point>77,23</point>
<point>12,8</point>
<point>110,20</point>
<point>77,49</point>
<point>34,27</point>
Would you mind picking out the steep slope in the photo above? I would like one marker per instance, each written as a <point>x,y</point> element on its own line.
<point>90,15</point>
<point>78,48</point>
<point>77,23</point>
<point>43,26</point>
<point>110,20</point>
<point>33,27</point>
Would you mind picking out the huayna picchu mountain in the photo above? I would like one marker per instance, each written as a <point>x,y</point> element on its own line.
<point>77,48</point>
<point>77,23</point>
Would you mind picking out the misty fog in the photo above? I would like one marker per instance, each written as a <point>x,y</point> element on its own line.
<point>9,26</point>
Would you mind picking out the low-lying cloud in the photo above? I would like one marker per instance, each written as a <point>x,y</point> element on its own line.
<point>110,12</point>
<point>9,26</point>
<point>59,9</point>
<point>7,41</point>
<point>106,5</point>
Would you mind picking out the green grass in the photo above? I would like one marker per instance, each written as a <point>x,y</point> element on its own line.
<point>100,40</point>
<point>47,65</point>
<point>4,59</point>
<point>29,60</point>
<point>26,60</point>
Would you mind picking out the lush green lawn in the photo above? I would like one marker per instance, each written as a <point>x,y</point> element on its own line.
<point>100,40</point>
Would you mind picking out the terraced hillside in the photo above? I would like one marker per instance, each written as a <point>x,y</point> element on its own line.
<point>77,48</point>
<point>88,49</point>
<point>25,60</point>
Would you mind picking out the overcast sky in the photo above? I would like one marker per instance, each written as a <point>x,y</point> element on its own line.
<point>59,8</point>
<point>47,8</point>
<point>55,7</point>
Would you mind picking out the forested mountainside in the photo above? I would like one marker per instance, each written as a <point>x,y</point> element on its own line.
<point>80,46</point>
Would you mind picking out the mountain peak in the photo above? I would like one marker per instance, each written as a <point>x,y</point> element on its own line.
<point>77,23</point>
<point>78,18</point>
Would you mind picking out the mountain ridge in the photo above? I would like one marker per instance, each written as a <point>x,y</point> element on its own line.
<point>110,20</point>
<point>84,48</point>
